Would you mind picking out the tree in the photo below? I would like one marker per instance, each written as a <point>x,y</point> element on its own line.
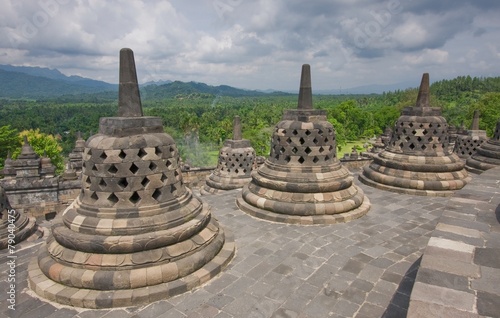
<point>8,142</point>
<point>42,144</point>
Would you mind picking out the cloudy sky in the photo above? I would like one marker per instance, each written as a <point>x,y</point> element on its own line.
<point>257,44</point>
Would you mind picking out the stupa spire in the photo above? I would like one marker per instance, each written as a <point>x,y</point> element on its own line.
<point>129,100</point>
<point>423,92</point>
<point>475,121</point>
<point>237,128</point>
<point>305,91</point>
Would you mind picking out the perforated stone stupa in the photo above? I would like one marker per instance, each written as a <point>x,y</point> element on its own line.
<point>302,181</point>
<point>135,234</point>
<point>235,165</point>
<point>14,225</point>
<point>487,156</point>
<point>418,159</point>
<point>466,144</point>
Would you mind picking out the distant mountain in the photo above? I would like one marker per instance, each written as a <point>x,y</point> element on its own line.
<point>157,83</point>
<point>370,89</point>
<point>39,82</point>
<point>42,83</point>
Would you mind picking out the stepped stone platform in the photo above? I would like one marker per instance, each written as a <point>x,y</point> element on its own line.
<point>459,275</point>
<point>365,268</point>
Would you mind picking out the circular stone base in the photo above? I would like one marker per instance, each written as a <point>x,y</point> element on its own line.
<point>208,190</point>
<point>29,233</point>
<point>430,193</point>
<point>98,299</point>
<point>304,220</point>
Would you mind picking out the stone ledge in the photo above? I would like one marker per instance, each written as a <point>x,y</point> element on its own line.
<point>463,255</point>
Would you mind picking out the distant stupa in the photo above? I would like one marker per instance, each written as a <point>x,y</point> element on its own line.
<point>236,162</point>
<point>302,181</point>
<point>418,159</point>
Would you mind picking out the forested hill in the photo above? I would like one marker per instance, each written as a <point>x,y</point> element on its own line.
<point>22,82</point>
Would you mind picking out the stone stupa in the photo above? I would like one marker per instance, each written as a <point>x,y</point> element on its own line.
<point>487,156</point>
<point>135,234</point>
<point>235,165</point>
<point>76,155</point>
<point>302,181</point>
<point>418,159</point>
<point>466,144</point>
<point>15,226</point>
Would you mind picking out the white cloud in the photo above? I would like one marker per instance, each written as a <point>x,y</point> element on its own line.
<point>254,44</point>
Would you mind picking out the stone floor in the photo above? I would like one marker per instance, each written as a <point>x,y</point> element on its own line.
<point>365,268</point>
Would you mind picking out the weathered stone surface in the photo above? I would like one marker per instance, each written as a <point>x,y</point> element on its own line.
<point>418,159</point>
<point>135,233</point>
<point>302,181</point>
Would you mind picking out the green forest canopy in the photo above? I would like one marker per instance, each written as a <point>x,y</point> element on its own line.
<point>202,121</point>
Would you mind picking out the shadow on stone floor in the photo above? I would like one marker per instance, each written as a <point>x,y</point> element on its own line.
<point>497,213</point>
<point>400,302</point>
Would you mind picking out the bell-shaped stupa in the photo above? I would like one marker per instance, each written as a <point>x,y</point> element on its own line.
<point>237,160</point>
<point>418,159</point>
<point>135,234</point>
<point>466,144</point>
<point>487,155</point>
<point>302,181</point>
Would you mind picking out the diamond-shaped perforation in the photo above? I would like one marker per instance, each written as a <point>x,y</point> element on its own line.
<point>135,198</point>
<point>315,159</point>
<point>321,149</point>
<point>294,150</point>
<point>157,194</point>
<point>423,147</point>
<point>94,168</point>
<point>287,158</point>
<point>158,151</point>
<point>164,177</point>
<point>133,168</point>
<point>152,166</point>
<point>122,182</point>
<point>103,183</point>
<point>89,152</point>
<point>301,160</point>
<point>122,154</point>
<point>295,132</point>
<point>282,150</point>
<point>315,141</point>
<point>411,146</point>
<point>113,198</point>
<point>168,163</point>
<point>103,155</point>
<point>94,196</point>
<point>302,141</point>
<point>88,181</point>
<point>141,153</point>
<point>308,150</point>
<point>307,132</point>
<point>288,140</point>
<point>145,182</point>
<point>112,169</point>
<point>173,188</point>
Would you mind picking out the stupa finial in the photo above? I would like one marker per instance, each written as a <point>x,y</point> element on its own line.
<point>129,99</point>
<point>423,92</point>
<point>305,91</point>
<point>237,128</point>
<point>475,120</point>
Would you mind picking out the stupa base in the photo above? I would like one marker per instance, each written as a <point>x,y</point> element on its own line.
<point>316,219</point>
<point>411,191</point>
<point>99,299</point>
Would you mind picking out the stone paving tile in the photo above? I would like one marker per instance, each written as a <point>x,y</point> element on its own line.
<point>341,270</point>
